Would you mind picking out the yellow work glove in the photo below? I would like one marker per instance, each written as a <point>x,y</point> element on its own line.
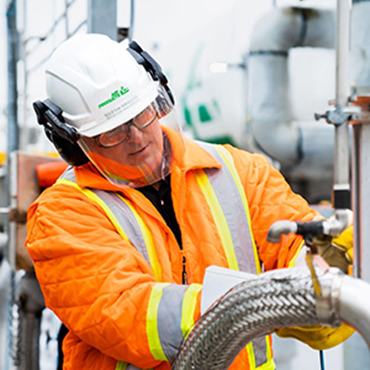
<point>317,336</point>
<point>337,252</point>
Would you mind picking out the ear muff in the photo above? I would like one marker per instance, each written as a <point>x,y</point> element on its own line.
<point>63,137</point>
<point>151,66</point>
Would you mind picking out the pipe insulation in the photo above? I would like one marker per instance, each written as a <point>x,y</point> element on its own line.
<point>270,110</point>
<point>280,298</point>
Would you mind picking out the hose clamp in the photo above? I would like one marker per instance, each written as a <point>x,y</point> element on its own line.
<point>327,304</point>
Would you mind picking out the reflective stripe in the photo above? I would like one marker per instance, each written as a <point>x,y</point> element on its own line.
<point>170,317</point>
<point>226,198</point>
<point>269,365</point>
<point>230,164</point>
<point>188,308</point>
<point>219,218</point>
<point>292,262</point>
<point>260,357</point>
<point>268,348</point>
<point>251,359</point>
<point>148,241</point>
<point>230,193</point>
<point>124,217</point>
<point>263,363</point>
<point>125,366</point>
<point>121,365</point>
<point>92,196</point>
<point>152,322</point>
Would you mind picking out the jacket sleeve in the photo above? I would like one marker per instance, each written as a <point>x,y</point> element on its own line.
<point>100,286</point>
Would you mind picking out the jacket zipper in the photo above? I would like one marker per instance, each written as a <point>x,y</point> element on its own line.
<point>184,273</point>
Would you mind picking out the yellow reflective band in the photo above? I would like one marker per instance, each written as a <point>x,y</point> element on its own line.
<point>293,260</point>
<point>269,365</point>
<point>92,196</point>
<point>188,307</point>
<point>152,324</point>
<point>148,240</point>
<point>251,358</point>
<point>219,217</point>
<point>121,365</point>
<point>268,348</point>
<point>227,157</point>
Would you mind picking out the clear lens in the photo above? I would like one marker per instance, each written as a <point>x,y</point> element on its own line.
<point>117,135</point>
<point>146,117</point>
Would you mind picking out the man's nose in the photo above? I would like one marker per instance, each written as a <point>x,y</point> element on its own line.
<point>135,135</point>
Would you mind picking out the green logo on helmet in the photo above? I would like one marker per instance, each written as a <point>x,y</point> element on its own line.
<point>114,96</point>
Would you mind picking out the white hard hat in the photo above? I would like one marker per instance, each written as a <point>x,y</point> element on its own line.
<point>97,83</point>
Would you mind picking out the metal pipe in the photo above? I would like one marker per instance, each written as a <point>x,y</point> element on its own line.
<point>341,183</point>
<point>271,121</point>
<point>132,20</point>
<point>354,303</point>
<point>280,298</point>
<point>102,18</point>
<point>13,45</point>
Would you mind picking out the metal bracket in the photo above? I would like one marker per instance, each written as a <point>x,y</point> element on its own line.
<point>338,115</point>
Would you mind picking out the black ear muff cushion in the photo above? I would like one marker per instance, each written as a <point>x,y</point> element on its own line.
<point>71,153</point>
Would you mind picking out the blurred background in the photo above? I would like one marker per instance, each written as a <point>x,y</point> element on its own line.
<point>248,73</point>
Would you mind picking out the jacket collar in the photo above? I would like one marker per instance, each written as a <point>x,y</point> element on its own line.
<point>194,158</point>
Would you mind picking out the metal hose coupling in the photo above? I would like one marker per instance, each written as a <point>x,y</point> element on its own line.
<point>280,298</point>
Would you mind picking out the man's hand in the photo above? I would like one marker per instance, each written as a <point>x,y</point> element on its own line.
<point>338,251</point>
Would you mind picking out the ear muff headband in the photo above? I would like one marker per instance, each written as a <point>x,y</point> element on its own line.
<point>150,64</point>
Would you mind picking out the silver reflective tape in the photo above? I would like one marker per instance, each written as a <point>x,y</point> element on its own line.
<point>121,211</point>
<point>231,203</point>
<point>169,319</point>
<point>259,349</point>
<point>69,174</point>
<point>126,219</point>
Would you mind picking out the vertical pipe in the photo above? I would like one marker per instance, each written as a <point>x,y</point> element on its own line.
<point>25,132</point>
<point>361,199</point>
<point>102,17</point>
<point>356,353</point>
<point>341,151</point>
<point>132,20</point>
<point>12,41</point>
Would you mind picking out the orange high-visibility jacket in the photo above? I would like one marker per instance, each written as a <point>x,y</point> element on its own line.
<point>105,291</point>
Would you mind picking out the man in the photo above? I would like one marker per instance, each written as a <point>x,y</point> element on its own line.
<point>122,240</point>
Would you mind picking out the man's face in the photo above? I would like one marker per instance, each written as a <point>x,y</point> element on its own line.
<point>138,156</point>
<point>142,145</point>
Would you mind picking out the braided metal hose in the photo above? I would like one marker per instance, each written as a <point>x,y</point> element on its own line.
<point>279,298</point>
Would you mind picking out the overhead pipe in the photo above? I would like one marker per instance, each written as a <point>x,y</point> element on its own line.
<point>276,299</point>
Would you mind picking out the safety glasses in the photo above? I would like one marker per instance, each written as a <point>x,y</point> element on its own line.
<point>119,134</point>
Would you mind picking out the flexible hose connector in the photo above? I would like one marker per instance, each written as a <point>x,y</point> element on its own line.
<point>276,299</point>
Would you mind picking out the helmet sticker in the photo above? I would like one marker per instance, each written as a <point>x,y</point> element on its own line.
<point>114,96</point>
